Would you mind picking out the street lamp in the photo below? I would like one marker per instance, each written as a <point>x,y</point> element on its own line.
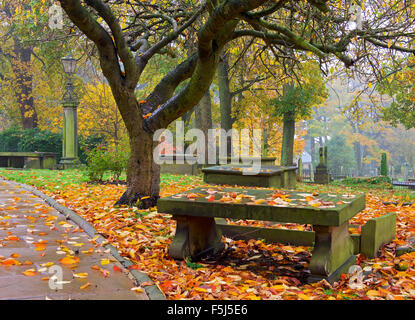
<point>70,104</point>
<point>69,64</point>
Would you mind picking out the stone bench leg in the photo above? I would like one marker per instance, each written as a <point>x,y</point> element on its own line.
<point>195,237</point>
<point>333,253</point>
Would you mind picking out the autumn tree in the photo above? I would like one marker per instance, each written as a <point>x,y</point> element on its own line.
<point>29,51</point>
<point>19,58</point>
<point>296,103</point>
<point>398,83</point>
<point>129,34</point>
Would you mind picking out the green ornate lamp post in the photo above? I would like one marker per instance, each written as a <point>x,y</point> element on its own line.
<point>70,125</point>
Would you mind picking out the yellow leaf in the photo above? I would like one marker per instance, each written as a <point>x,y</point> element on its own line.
<point>81,275</point>
<point>105,262</point>
<point>302,296</point>
<point>373,293</point>
<point>85,286</point>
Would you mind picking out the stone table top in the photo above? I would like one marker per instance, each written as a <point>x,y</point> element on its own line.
<point>265,204</point>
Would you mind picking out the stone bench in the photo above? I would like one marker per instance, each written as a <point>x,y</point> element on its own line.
<point>197,233</point>
<point>29,160</point>
<point>268,177</point>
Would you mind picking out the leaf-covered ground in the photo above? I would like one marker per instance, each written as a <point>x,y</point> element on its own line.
<point>250,269</point>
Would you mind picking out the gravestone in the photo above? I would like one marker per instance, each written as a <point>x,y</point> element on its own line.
<point>267,177</point>
<point>322,175</point>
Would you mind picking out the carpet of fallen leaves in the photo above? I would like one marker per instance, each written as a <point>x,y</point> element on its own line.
<point>250,269</point>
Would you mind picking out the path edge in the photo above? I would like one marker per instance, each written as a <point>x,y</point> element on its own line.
<point>153,292</point>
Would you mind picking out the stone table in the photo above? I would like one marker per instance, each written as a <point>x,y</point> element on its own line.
<point>197,233</point>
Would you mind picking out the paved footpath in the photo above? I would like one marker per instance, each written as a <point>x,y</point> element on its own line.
<point>37,244</point>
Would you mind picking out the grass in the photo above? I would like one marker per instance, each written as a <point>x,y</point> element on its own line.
<point>54,179</point>
<point>48,179</point>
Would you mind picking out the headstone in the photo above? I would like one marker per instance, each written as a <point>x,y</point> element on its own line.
<point>376,232</point>
<point>322,175</point>
<point>300,170</point>
<point>267,177</point>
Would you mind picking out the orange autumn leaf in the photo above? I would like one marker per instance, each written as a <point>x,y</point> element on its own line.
<point>10,262</point>
<point>373,293</point>
<point>85,286</point>
<point>30,272</point>
<point>69,260</point>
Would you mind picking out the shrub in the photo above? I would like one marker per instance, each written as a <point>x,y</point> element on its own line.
<point>88,143</point>
<point>18,140</point>
<point>97,163</point>
<point>384,165</point>
<point>41,141</point>
<point>29,140</point>
<point>117,162</point>
<point>380,181</point>
<point>9,139</point>
<point>102,159</point>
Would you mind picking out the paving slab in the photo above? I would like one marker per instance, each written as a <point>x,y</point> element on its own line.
<point>34,238</point>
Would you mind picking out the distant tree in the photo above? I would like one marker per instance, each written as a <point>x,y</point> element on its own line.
<point>383,165</point>
<point>340,155</point>
<point>296,103</point>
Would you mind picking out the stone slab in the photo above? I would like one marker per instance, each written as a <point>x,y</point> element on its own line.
<point>286,236</point>
<point>376,232</point>
<point>267,177</point>
<point>293,213</point>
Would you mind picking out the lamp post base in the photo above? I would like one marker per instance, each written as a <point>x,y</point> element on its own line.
<point>69,163</point>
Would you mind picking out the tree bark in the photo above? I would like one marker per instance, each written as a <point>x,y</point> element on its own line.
<point>265,141</point>
<point>312,149</point>
<point>288,133</point>
<point>203,117</point>
<point>21,66</point>
<point>143,174</point>
<point>358,157</point>
<point>225,98</point>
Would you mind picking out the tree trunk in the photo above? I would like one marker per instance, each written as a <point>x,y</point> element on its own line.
<point>203,117</point>
<point>21,66</point>
<point>265,141</point>
<point>312,149</point>
<point>358,157</point>
<point>225,98</point>
<point>143,174</point>
<point>287,151</point>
